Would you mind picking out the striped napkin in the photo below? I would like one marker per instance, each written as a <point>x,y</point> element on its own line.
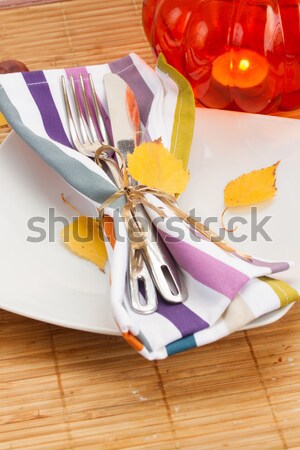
<point>225,291</point>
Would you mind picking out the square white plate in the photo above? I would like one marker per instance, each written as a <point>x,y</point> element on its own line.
<point>47,282</point>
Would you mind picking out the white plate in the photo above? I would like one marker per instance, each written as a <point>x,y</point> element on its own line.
<point>47,282</point>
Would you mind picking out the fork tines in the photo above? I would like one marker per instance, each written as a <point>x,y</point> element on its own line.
<point>84,116</point>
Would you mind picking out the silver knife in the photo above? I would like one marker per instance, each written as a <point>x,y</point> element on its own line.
<point>125,122</point>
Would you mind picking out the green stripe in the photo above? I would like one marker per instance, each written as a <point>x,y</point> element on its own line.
<point>183,128</point>
<point>284,291</point>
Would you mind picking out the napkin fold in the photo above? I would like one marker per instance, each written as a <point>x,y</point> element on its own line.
<point>226,292</point>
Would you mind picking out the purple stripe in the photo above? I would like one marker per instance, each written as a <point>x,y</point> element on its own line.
<point>205,268</point>
<point>126,69</point>
<point>75,72</point>
<point>181,316</point>
<point>273,266</point>
<point>40,91</point>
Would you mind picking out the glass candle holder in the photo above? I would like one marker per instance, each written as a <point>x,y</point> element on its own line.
<point>237,54</point>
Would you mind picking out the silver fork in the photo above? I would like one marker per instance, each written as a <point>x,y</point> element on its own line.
<point>84,135</point>
<point>85,139</point>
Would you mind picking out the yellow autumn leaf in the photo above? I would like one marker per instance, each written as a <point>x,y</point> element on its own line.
<point>3,121</point>
<point>252,187</point>
<point>153,165</point>
<point>85,238</point>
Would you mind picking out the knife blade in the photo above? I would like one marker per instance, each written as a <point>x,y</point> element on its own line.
<point>123,111</point>
<point>125,122</point>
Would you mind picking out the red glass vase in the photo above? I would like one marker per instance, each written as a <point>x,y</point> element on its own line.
<point>237,54</point>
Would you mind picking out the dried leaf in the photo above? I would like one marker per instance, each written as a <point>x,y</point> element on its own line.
<point>252,187</point>
<point>153,165</point>
<point>3,122</point>
<point>85,238</point>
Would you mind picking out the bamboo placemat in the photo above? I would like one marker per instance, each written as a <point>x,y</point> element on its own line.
<point>63,389</point>
<point>18,3</point>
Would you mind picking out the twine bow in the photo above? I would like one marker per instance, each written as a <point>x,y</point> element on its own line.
<point>136,195</point>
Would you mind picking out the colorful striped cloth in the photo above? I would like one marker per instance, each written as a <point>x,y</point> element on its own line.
<point>225,291</point>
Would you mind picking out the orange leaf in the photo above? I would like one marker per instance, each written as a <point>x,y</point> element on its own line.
<point>133,112</point>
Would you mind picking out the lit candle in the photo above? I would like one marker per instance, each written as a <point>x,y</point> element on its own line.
<point>240,68</point>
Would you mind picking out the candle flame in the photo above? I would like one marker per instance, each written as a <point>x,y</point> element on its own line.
<point>240,68</point>
<point>244,64</point>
